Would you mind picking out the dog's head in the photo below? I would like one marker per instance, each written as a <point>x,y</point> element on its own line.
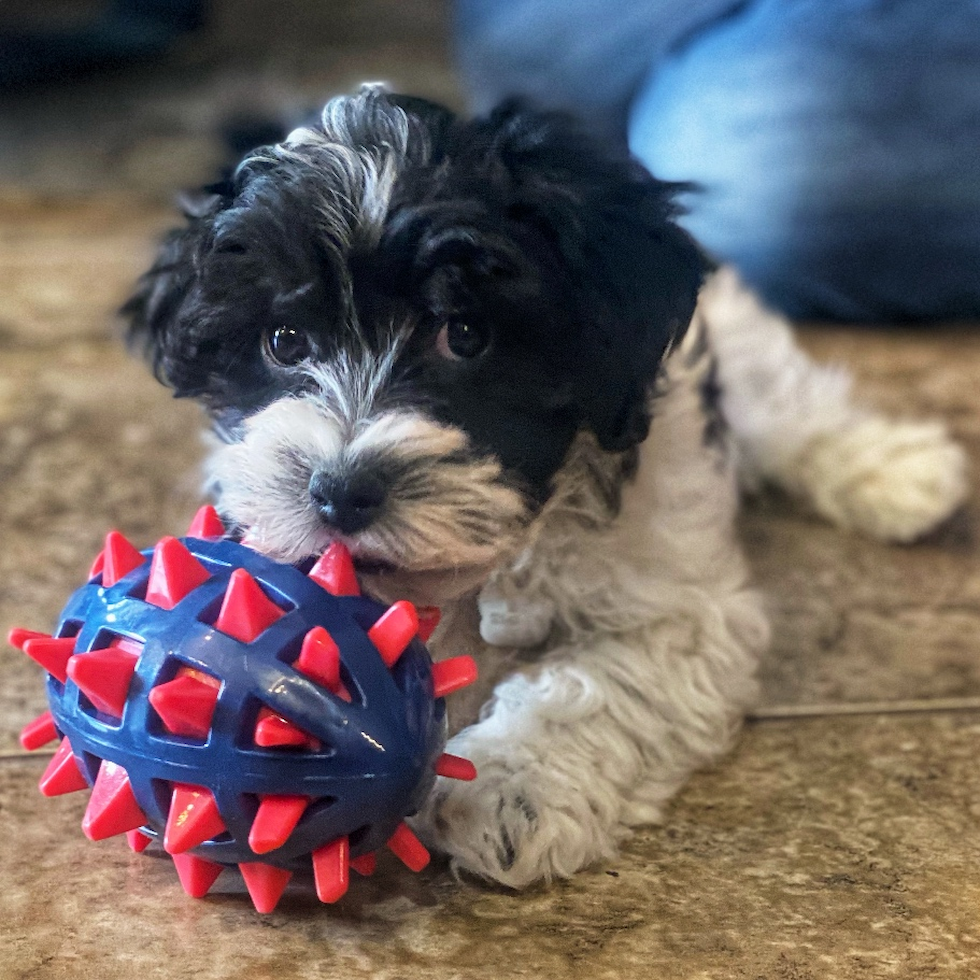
<point>400,321</point>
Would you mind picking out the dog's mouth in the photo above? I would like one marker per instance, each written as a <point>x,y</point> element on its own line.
<point>389,580</point>
<point>432,585</point>
<point>371,565</point>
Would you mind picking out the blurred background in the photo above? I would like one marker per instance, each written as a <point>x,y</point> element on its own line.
<point>833,144</point>
<point>101,95</point>
<point>840,838</point>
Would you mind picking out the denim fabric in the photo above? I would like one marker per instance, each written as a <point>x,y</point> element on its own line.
<point>586,56</point>
<point>836,142</point>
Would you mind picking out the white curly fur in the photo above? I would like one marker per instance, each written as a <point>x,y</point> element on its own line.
<point>797,427</point>
<point>648,629</point>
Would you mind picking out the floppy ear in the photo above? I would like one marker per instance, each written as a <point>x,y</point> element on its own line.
<point>151,313</point>
<point>634,273</point>
<point>643,283</point>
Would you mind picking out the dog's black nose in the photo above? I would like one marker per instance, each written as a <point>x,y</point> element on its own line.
<point>348,503</point>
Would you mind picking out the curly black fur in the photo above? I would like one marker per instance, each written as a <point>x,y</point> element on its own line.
<point>562,248</point>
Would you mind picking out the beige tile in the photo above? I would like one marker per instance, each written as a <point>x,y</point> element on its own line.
<point>855,620</point>
<point>68,263</point>
<point>87,443</point>
<point>843,849</point>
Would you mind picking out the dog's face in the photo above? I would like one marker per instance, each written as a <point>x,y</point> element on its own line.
<point>400,321</point>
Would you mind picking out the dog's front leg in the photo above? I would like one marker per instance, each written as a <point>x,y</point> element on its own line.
<point>591,743</point>
<point>648,665</point>
<point>553,765</point>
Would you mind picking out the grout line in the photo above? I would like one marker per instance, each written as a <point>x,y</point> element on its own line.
<point>36,754</point>
<point>780,712</point>
<point>774,712</point>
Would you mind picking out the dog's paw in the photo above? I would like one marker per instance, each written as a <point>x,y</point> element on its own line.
<point>511,826</point>
<point>513,620</point>
<point>895,481</point>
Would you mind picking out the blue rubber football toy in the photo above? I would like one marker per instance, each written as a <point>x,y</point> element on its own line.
<point>242,711</point>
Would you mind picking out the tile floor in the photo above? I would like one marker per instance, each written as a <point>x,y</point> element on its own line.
<point>839,840</point>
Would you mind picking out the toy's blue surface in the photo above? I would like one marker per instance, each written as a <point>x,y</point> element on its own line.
<point>376,761</point>
<point>243,711</point>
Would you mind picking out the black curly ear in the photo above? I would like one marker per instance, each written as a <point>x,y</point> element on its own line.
<point>151,312</point>
<point>634,272</point>
<point>643,293</point>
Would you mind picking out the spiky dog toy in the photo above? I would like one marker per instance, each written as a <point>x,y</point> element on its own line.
<point>242,711</point>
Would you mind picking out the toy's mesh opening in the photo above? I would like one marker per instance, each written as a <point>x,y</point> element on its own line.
<point>88,708</point>
<point>314,809</point>
<point>366,619</point>
<point>279,598</point>
<point>89,765</point>
<point>354,689</point>
<point>403,673</point>
<point>319,806</point>
<point>264,728</point>
<point>138,591</point>
<point>200,688</point>
<point>70,627</point>
<point>209,614</point>
<point>352,692</point>
<point>176,667</point>
<point>162,790</point>
<point>108,640</point>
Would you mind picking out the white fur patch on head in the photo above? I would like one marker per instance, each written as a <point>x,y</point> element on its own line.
<point>449,516</point>
<point>352,197</point>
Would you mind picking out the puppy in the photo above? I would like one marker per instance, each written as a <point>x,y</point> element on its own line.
<point>474,351</point>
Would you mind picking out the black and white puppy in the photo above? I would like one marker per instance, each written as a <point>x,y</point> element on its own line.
<point>473,351</point>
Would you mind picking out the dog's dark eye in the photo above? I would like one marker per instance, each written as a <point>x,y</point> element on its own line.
<point>289,346</point>
<point>462,341</point>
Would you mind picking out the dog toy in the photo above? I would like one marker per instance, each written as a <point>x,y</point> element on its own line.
<point>242,711</point>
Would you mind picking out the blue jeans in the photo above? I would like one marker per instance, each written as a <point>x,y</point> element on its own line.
<point>835,143</point>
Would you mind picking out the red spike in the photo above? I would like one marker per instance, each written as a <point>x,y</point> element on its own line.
<point>334,571</point>
<point>186,704</point>
<point>62,774</point>
<point>265,884</point>
<point>331,870</point>
<point>52,653</point>
<point>451,675</point>
<point>98,565</point>
<point>408,848</point>
<point>196,874</point>
<point>206,524</point>
<point>121,558</point>
<point>193,819</point>
<point>455,767</point>
<point>39,732</point>
<point>429,617</point>
<point>320,659</point>
<point>174,572</point>
<point>275,820</point>
<point>138,841</point>
<point>246,610</point>
<point>112,807</point>
<point>104,677</point>
<point>273,731</point>
<point>18,636</point>
<point>393,632</point>
<point>365,864</point>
